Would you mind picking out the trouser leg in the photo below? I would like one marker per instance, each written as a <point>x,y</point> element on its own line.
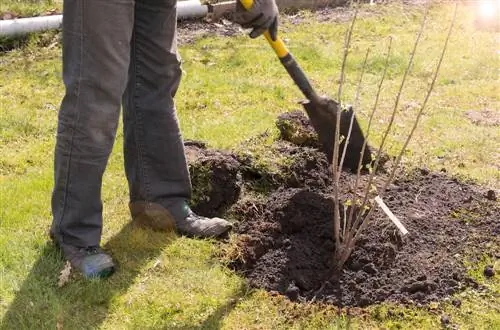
<point>96,49</point>
<point>155,162</point>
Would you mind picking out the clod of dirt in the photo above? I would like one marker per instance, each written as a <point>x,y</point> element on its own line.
<point>456,302</point>
<point>445,319</point>
<point>296,128</point>
<point>283,164</point>
<point>489,271</point>
<point>292,292</point>
<point>491,195</point>
<point>425,171</point>
<point>215,178</point>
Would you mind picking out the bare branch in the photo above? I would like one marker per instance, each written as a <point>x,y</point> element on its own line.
<point>424,105</point>
<point>391,121</point>
<point>336,170</point>
<point>351,243</point>
<point>348,138</point>
<point>356,105</point>
<point>368,130</point>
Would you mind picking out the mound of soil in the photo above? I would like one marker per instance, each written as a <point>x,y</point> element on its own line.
<point>287,244</point>
<point>284,234</point>
<point>215,178</point>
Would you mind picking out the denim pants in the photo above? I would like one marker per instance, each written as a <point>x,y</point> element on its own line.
<point>117,53</point>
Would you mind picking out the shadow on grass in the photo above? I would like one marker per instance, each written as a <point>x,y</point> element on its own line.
<point>40,303</point>
<point>214,320</point>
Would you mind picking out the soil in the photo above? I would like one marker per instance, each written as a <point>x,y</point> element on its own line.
<point>283,237</point>
<point>287,245</point>
<point>191,30</point>
<point>484,117</point>
<point>5,15</point>
<point>295,127</point>
<point>215,177</point>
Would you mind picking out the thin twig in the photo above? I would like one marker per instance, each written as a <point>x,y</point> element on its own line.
<point>368,131</point>
<point>415,125</point>
<point>389,126</point>
<point>424,105</point>
<point>356,105</point>
<point>336,170</point>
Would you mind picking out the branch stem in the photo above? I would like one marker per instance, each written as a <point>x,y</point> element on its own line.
<point>389,126</point>
<point>336,169</point>
<point>350,244</point>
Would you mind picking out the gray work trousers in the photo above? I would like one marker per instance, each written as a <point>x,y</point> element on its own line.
<point>117,52</point>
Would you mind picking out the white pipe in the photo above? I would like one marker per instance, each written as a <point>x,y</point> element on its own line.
<point>19,26</point>
<point>13,27</point>
<point>191,9</point>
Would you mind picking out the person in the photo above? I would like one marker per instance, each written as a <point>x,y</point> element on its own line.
<point>124,53</point>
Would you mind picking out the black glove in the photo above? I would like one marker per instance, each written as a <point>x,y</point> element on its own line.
<point>261,17</point>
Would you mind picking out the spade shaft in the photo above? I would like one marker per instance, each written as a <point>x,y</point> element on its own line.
<point>322,111</point>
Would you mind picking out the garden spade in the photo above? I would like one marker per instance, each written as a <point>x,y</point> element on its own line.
<point>322,111</point>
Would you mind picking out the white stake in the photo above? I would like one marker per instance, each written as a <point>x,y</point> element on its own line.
<point>391,215</point>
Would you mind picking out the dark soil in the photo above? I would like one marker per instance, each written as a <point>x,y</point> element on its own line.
<point>284,240</point>
<point>215,177</point>
<point>191,30</point>
<point>288,245</point>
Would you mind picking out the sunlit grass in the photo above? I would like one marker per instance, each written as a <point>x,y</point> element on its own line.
<point>27,8</point>
<point>233,89</point>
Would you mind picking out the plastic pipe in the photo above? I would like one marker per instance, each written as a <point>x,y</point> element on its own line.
<point>20,26</point>
<point>191,9</point>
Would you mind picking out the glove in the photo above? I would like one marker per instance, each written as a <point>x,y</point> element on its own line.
<point>261,17</point>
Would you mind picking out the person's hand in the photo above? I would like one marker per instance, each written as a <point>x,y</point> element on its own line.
<point>262,16</point>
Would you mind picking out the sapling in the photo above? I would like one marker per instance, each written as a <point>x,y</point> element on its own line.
<point>414,127</point>
<point>354,224</point>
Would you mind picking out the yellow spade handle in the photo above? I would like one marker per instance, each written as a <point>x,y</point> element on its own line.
<point>278,45</point>
<point>291,65</point>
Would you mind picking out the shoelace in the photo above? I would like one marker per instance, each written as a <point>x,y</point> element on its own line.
<point>91,250</point>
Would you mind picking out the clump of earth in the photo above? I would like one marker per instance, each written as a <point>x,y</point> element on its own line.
<point>280,193</point>
<point>485,117</point>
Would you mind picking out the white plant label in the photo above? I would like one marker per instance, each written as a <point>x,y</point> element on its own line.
<point>391,215</point>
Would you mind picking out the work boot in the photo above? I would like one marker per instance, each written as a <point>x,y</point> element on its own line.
<point>199,226</point>
<point>155,216</point>
<point>91,261</point>
<point>152,215</point>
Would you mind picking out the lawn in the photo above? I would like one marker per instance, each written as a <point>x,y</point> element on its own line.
<point>27,8</point>
<point>233,89</point>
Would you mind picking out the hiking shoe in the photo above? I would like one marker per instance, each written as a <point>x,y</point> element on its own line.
<point>199,226</point>
<point>152,215</point>
<point>91,261</point>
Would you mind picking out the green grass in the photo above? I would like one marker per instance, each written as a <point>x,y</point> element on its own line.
<point>26,8</point>
<point>233,89</point>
